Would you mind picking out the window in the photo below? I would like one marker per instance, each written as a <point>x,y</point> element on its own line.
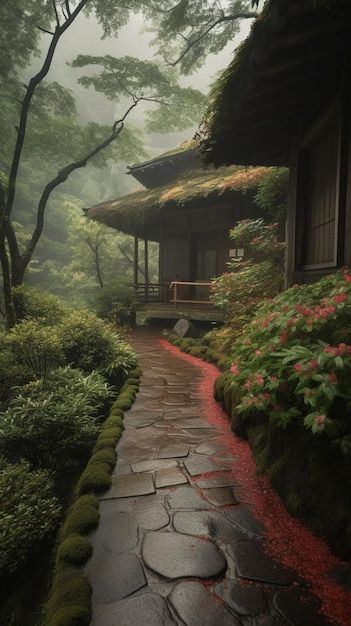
<point>319,198</point>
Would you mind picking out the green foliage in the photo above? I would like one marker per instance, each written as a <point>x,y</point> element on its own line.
<point>40,306</point>
<point>82,518</point>
<point>52,423</point>
<point>295,360</point>
<point>89,343</point>
<point>36,347</point>
<point>75,550</point>
<point>254,279</point>
<point>272,194</point>
<point>116,303</point>
<point>29,514</point>
<point>69,603</point>
<point>177,107</point>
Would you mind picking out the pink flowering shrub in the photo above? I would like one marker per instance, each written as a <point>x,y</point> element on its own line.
<point>259,275</point>
<point>293,360</point>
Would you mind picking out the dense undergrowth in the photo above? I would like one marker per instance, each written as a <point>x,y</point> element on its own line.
<point>60,371</point>
<point>286,386</point>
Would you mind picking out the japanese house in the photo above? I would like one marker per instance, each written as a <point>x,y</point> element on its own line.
<point>285,100</point>
<point>188,209</point>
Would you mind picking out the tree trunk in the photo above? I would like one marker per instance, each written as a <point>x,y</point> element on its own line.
<point>11,317</point>
<point>97,266</point>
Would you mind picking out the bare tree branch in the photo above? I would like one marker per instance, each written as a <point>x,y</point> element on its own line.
<point>45,30</point>
<point>56,13</point>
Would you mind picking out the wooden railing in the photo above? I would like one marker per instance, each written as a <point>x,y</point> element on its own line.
<point>152,292</point>
<point>185,292</point>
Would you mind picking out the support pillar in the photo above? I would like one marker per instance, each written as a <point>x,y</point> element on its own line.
<point>136,260</point>
<point>146,266</point>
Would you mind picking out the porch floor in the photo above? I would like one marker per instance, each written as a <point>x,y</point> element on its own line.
<point>167,310</point>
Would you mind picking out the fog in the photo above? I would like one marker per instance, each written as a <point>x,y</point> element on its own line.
<point>85,37</point>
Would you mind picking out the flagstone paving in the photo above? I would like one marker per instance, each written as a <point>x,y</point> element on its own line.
<point>177,543</point>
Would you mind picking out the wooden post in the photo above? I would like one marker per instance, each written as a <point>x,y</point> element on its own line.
<point>146,263</point>
<point>136,260</point>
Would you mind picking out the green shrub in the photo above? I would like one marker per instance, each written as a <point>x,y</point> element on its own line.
<point>95,479</point>
<point>104,456</point>
<point>82,517</point>
<point>35,347</point>
<point>90,344</point>
<point>75,550</point>
<point>53,422</point>
<point>29,514</point>
<point>104,443</point>
<point>115,410</point>
<point>39,306</point>
<point>12,373</point>
<point>295,361</point>
<point>116,303</point>
<point>70,600</point>
<point>113,420</point>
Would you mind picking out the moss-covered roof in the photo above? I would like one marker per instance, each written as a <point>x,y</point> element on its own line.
<point>281,77</point>
<point>131,214</point>
<point>185,146</point>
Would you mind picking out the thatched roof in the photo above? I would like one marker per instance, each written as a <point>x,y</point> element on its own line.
<point>163,168</point>
<point>139,211</point>
<point>282,76</point>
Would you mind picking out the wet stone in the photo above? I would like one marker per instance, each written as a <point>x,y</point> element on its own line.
<point>116,578</point>
<point>206,523</point>
<point>216,481</point>
<point>144,425</point>
<point>153,465</point>
<point>149,609</point>
<point>127,485</point>
<point>209,447</point>
<point>245,599</point>
<point>193,423</point>
<point>220,496</point>
<point>253,564</point>
<point>174,555</point>
<point>201,465</point>
<point>117,532</point>
<point>170,476</point>
<point>244,519</point>
<point>195,605</point>
<point>298,609</point>
<point>187,498</point>
<point>177,450</point>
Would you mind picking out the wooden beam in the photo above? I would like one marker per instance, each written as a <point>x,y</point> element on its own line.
<point>146,267</point>
<point>136,259</point>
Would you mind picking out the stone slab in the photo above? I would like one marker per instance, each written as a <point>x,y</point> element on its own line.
<point>196,465</point>
<point>206,523</point>
<point>209,447</point>
<point>244,519</point>
<point>113,578</point>
<point>195,605</point>
<point>173,451</point>
<point>243,599</point>
<point>169,477</point>
<point>153,465</point>
<point>220,496</point>
<point>174,555</point>
<point>253,564</point>
<point>117,532</point>
<point>193,423</point>
<point>127,485</point>
<point>298,609</point>
<point>144,425</point>
<point>187,498</point>
<point>216,481</point>
<point>147,609</point>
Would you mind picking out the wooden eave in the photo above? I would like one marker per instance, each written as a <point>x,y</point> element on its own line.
<point>285,73</point>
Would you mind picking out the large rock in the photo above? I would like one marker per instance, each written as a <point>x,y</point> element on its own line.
<point>195,605</point>
<point>184,328</point>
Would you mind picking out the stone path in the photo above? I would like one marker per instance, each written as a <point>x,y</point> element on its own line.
<point>177,545</point>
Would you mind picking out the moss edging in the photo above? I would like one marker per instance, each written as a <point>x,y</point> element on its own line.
<point>69,601</point>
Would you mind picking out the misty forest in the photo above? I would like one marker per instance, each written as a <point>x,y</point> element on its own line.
<point>175,313</point>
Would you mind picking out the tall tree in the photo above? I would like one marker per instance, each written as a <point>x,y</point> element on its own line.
<point>142,81</point>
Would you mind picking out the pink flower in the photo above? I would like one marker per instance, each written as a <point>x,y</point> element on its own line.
<point>258,352</point>
<point>248,385</point>
<point>319,420</point>
<point>266,395</point>
<point>347,277</point>
<point>259,379</point>
<point>313,364</point>
<point>298,367</point>
<point>329,350</point>
<point>332,378</point>
<point>234,369</point>
<point>283,337</point>
<point>340,297</point>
